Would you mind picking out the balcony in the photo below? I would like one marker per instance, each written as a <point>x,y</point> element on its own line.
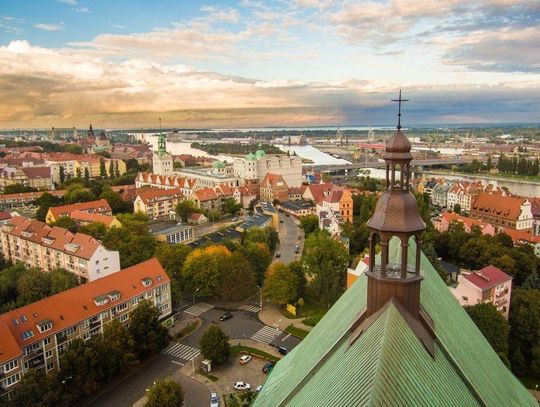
<point>61,337</point>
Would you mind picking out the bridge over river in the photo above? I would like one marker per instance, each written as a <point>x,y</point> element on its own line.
<point>381,164</point>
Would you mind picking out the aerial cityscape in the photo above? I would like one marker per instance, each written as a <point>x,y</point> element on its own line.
<point>281,203</point>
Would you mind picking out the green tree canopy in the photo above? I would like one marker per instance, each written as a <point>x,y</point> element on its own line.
<point>118,205</point>
<point>18,189</point>
<point>61,280</point>
<point>94,229</point>
<point>281,284</point>
<point>259,256</point>
<point>325,261</point>
<point>185,208</point>
<point>67,223</point>
<point>237,280</point>
<point>493,326</point>
<point>309,224</point>
<point>215,344</point>
<point>267,235</point>
<point>172,258</point>
<point>149,335</point>
<point>230,205</point>
<point>33,285</point>
<point>78,193</point>
<point>165,393</point>
<point>203,269</point>
<point>45,201</point>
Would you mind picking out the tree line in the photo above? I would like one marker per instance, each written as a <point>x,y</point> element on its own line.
<point>518,165</point>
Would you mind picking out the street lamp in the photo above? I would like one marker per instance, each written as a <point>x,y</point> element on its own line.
<point>195,292</point>
<point>260,300</point>
<point>276,334</point>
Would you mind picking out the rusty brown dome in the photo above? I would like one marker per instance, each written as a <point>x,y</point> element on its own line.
<point>398,147</point>
<point>396,211</point>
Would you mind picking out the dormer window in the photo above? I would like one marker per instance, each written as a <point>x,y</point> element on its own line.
<point>27,334</point>
<point>26,233</point>
<point>114,295</point>
<point>101,300</point>
<point>72,247</point>
<point>146,281</point>
<point>44,325</point>
<point>47,240</point>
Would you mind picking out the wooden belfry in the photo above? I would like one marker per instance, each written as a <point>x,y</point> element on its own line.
<point>396,215</point>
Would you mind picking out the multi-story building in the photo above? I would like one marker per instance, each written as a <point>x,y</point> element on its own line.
<point>463,194</point>
<point>274,187</point>
<point>245,195</point>
<point>162,161</point>
<point>489,285</point>
<point>34,336</point>
<point>206,199</point>
<point>174,234</point>
<point>338,200</point>
<point>256,166</point>
<point>76,165</point>
<point>37,244</point>
<point>35,177</point>
<point>443,222</point>
<point>439,195</point>
<point>317,192</point>
<point>100,206</point>
<point>158,203</point>
<point>520,237</point>
<point>219,174</point>
<point>145,179</point>
<point>83,218</point>
<point>503,211</point>
<point>11,201</point>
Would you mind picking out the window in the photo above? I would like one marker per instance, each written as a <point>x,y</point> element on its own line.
<point>11,365</point>
<point>11,380</point>
<point>134,301</point>
<point>148,294</point>
<point>50,366</point>
<point>48,354</point>
<point>45,327</point>
<point>46,341</point>
<point>123,317</point>
<point>23,318</point>
<point>15,321</point>
<point>27,334</point>
<point>121,307</point>
<point>104,314</point>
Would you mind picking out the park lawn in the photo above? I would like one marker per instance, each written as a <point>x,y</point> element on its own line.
<point>236,350</point>
<point>298,332</point>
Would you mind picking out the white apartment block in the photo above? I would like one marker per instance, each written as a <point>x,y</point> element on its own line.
<point>34,336</point>
<point>37,244</point>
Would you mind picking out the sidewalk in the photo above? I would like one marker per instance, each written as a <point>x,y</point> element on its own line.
<point>271,316</point>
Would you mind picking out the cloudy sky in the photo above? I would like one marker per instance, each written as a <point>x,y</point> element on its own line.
<point>124,63</point>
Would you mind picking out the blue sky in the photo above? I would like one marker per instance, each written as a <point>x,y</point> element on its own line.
<point>282,62</point>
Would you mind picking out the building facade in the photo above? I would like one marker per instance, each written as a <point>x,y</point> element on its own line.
<point>37,244</point>
<point>503,211</point>
<point>34,336</point>
<point>162,161</point>
<point>100,206</point>
<point>157,203</point>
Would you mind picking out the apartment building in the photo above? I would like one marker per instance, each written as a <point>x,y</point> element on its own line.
<point>145,179</point>
<point>37,244</point>
<point>10,201</point>
<point>443,222</point>
<point>338,200</point>
<point>34,336</point>
<point>34,177</point>
<point>463,194</point>
<point>503,211</point>
<point>489,285</point>
<point>274,187</point>
<point>206,199</point>
<point>100,206</point>
<point>439,195</point>
<point>158,203</point>
<point>76,165</point>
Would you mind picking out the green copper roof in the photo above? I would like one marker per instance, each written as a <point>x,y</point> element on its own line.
<point>251,157</point>
<point>218,164</point>
<point>260,152</point>
<point>387,364</point>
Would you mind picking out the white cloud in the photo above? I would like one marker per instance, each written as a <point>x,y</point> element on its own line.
<point>119,26</point>
<point>72,2</point>
<point>228,15</point>
<point>49,27</point>
<point>82,10</point>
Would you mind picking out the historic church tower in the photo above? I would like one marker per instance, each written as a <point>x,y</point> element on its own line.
<point>162,161</point>
<point>396,215</point>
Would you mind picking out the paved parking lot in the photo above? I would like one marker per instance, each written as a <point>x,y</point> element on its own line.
<point>233,371</point>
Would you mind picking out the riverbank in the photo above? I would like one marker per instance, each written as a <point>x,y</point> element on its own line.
<point>484,177</point>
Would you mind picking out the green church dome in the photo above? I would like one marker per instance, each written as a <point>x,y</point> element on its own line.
<point>260,152</point>
<point>218,164</point>
<point>251,157</point>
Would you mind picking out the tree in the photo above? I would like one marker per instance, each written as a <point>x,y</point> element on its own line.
<point>61,280</point>
<point>281,284</point>
<point>267,235</point>
<point>86,176</point>
<point>148,334</point>
<point>230,205</point>
<point>532,281</point>
<point>102,169</point>
<point>114,199</point>
<point>111,169</point>
<point>33,285</point>
<point>94,229</point>
<point>237,280</point>
<point>457,208</point>
<point>38,389</point>
<point>493,326</point>
<point>18,189</point>
<point>172,258</point>
<point>8,286</point>
<point>45,201</point>
<point>185,208</point>
<point>67,223</point>
<point>116,170</point>
<point>489,164</point>
<point>203,269</point>
<point>120,345</point>
<point>78,193</point>
<point>78,172</point>
<point>165,393</point>
<point>215,344</point>
<point>82,365</point>
<point>62,174</point>
<point>309,224</point>
<point>258,254</point>
<point>325,261</point>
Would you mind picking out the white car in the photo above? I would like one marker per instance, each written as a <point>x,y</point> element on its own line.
<point>214,400</point>
<point>258,388</point>
<point>245,359</point>
<point>241,386</point>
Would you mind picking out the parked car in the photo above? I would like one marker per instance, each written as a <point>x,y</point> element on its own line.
<point>245,359</point>
<point>283,350</point>
<point>296,249</point>
<point>278,255</point>
<point>241,386</point>
<point>226,316</point>
<point>258,388</point>
<point>268,367</point>
<point>214,400</point>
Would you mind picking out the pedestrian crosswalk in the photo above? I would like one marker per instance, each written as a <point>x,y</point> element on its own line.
<point>184,352</point>
<point>198,309</point>
<point>266,334</point>
<point>250,308</point>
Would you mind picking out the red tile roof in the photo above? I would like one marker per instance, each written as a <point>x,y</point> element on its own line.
<point>72,306</point>
<point>91,217</point>
<point>156,194</point>
<point>4,215</point>
<point>206,194</point>
<point>99,206</point>
<point>27,196</point>
<point>488,277</point>
<point>450,217</point>
<point>37,172</point>
<point>319,191</point>
<point>521,235</point>
<point>500,206</point>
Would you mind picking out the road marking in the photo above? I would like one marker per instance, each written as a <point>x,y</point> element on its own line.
<point>250,308</point>
<point>177,363</point>
<point>266,334</point>
<point>283,339</point>
<point>181,351</point>
<point>198,309</point>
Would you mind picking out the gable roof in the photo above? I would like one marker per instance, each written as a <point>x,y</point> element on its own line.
<point>74,305</point>
<point>488,277</point>
<point>450,217</point>
<point>206,194</point>
<point>387,364</point>
<point>156,194</point>
<point>271,180</point>
<point>100,205</point>
<point>92,217</point>
<point>520,235</point>
<point>319,191</point>
<point>37,172</point>
<point>496,205</point>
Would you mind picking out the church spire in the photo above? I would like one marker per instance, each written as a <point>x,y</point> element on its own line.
<point>396,215</point>
<point>162,140</point>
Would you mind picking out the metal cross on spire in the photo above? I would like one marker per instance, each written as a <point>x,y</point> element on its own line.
<point>399,100</point>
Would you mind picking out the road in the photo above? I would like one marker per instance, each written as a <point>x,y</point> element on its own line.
<point>243,325</point>
<point>288,238</point>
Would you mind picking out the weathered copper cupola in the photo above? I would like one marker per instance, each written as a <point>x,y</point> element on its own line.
<point>396,215</point>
